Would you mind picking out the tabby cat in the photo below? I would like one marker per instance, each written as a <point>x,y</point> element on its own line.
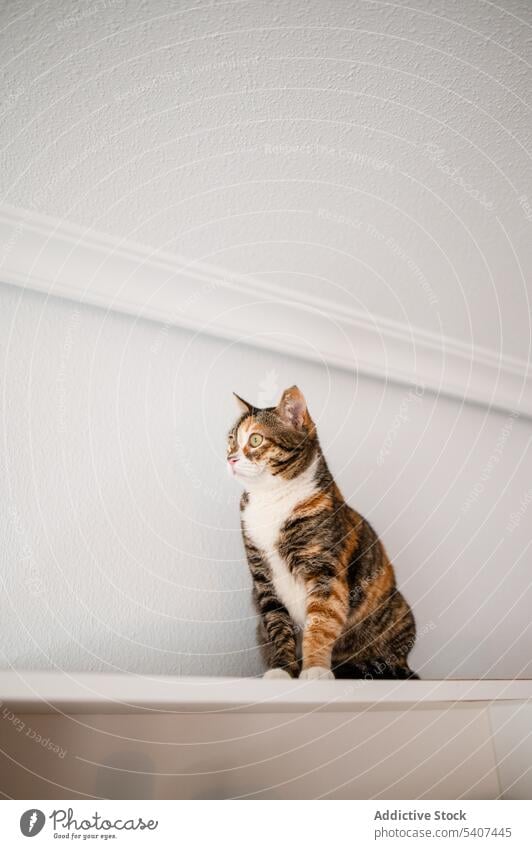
<point>322,581</point>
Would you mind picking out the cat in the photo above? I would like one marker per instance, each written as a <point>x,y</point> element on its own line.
<point>322,582</point>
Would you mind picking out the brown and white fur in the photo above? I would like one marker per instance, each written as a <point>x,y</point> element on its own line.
<point>322,581</point>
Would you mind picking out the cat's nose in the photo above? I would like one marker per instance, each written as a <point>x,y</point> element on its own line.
<point>232,460</point>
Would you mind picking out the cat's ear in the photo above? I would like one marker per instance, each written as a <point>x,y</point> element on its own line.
<point>292,408</point>
<point>243,406</point>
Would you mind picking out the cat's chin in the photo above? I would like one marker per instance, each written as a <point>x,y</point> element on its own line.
<point>244,481</point>
<point>238,476</point>
<point>258,481</point>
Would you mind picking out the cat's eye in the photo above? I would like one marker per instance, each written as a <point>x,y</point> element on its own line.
<point>255,440</point>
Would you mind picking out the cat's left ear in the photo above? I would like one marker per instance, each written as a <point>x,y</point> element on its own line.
<point>243,406</point>
<point>292,408</point>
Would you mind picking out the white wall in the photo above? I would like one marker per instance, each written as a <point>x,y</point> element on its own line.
<point>121,546</point>
<point>371,154</point>
<point>374,152</point>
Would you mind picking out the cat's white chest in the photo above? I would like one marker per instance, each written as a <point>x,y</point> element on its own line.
<point>264,515</point>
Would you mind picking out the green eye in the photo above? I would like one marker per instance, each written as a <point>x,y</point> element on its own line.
<point>255,440</point>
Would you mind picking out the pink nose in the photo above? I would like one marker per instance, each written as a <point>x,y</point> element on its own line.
<point>232,460</point>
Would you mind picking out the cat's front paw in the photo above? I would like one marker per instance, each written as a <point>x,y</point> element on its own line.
<point>314,673</point>
<point>277,673</point>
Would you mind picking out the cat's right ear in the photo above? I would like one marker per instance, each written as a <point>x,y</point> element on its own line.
<point>243,406</point>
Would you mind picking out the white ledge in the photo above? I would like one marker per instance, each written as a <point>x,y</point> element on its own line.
<point>50,692</point>
<point>60,259</point>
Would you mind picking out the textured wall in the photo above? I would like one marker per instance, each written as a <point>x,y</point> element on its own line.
<point>119,527</point>
<point>372,152</point>
<point>376,152</point>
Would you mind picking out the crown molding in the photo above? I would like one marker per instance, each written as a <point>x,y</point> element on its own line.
<point>64,260</point>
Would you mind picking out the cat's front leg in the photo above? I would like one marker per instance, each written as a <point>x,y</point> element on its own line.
<point>326,616</point>
<point>277,636</point>
<point>277,633</point>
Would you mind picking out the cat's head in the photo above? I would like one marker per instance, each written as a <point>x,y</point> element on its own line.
<point>275,443</point>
